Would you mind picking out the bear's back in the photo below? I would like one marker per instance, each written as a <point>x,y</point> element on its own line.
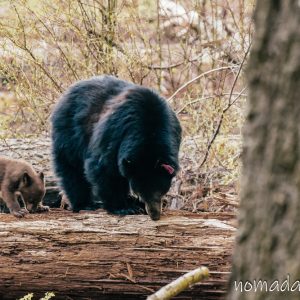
<point>79,109</point>
<point>104,109</point>
<point>85,99</point>
<point>142,125</point>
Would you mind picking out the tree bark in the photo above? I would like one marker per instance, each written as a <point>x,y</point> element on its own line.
<point>268,241</point>
<point>101,256</point>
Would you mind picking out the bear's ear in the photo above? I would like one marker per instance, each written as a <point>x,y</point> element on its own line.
<point>26,179</point>
<point>42,176</point>
<point>169,169</point>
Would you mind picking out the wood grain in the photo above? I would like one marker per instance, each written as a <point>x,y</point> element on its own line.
<point>101,256</point>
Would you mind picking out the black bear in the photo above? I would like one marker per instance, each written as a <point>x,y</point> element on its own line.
<point>114,142</point>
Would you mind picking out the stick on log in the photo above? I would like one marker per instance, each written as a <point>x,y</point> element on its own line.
<point>180,284</point>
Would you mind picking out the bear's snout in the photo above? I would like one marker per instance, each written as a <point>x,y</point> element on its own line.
<point>153,210</point>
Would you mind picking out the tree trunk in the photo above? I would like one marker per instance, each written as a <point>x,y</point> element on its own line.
<point>101,256</point>
<point>268,241</point>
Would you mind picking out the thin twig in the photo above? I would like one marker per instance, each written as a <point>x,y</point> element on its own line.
<point>55,39</point>
<point>28,51</point>
<point>238,74</point>
<point>216,132</point>
<point>172,66</point>
<point>230,103</point>
<point>198,77</point>
<point>205,98</point>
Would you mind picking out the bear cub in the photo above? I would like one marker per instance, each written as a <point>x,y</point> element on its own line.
<point>115,145</point>
<point>19,181</point>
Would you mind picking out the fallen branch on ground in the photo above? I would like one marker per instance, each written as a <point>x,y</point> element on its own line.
<point>180,284</point>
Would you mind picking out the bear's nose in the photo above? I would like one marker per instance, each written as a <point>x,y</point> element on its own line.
<point>153,210</point>
<point>155,217</point>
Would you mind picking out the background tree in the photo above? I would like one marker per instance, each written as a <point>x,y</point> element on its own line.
<point>267,246</point>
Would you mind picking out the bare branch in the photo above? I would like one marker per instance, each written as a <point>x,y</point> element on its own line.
<point>198,77</point>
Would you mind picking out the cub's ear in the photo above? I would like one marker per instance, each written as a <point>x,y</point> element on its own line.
<point>26,179</point>
<point>42,176</point>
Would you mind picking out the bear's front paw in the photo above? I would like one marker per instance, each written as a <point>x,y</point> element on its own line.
<point>65,202</point>
<point>42,208</point>
<point>19,213</point>
<point>134,210</point>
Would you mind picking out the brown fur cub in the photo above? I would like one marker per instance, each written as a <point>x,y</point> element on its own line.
<point>18,180</point>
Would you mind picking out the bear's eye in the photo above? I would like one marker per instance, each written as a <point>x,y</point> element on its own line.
<point>128,166</point>
<point>127,163</point>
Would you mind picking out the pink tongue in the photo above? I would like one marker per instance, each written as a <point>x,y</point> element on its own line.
<point>168,168</point>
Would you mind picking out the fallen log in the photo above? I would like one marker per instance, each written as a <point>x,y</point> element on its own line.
<point>189,186</point>
<point>101,256</point>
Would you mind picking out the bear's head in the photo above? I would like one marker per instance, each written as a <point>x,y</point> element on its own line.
<point>150,181</point>
<point>33,190</point>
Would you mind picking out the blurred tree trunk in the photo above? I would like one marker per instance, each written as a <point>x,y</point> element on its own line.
<point>268,243</point>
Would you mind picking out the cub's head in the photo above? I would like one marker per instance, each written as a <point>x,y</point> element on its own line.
<point>149,181</point>
<point>32,187</point>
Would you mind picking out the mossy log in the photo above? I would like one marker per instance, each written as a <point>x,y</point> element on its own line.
<point>101,256</point>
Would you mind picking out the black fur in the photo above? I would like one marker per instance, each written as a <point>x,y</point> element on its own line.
<point>110,137</point>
